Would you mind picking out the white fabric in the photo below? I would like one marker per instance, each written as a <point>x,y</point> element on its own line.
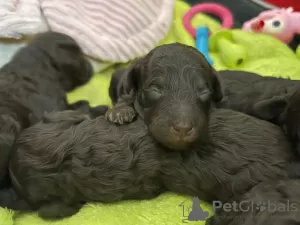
<point>111,30</point>
<point>19,18</point>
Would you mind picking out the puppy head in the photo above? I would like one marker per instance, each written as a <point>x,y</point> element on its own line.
<point>67,57</point>
<point>175,87</point>
<point>283,110</point>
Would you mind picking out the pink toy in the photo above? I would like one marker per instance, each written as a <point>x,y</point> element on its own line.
<point>280,23</point>
<point>216,9</point>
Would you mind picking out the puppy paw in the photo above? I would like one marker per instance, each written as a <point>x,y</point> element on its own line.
<point>120,115</point>
<point>58,210</point>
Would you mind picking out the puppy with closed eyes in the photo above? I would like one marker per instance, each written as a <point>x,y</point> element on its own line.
<point>172,89</point>
<point>256,95</point>
<point>68,159</point>
<point>36,80</point>
<point>273,99</point>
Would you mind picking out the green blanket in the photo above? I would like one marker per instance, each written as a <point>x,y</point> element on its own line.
<point>265,55</point>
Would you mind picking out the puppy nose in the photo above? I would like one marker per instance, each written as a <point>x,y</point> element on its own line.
<point>183,128</point>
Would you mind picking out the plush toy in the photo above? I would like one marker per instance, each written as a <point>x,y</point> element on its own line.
<point>280,23</point>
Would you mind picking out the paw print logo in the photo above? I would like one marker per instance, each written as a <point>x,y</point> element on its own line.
<point>261,206</point>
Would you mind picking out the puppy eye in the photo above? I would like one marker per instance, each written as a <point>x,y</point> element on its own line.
<point>204,94</point>
<point>153,93</point>
<point>155,88</point>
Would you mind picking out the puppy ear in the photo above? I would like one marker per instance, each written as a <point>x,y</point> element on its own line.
<point>270,108</point>
<point>66,55</point>
<point>134,74</point>
<point>71,61</point>
<point>115,81</point>
<point>217,86</point>
<point>63,51</point>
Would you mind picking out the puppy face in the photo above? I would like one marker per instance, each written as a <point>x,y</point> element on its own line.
<point>67,57</point>
<point>174,94</point>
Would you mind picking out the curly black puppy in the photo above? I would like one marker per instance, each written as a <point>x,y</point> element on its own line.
<point>274,202</point>
<point>171,88</point>
<point>36,80</point>
<point>274,99</point>
<point>68,159</point>
<point>256,95</point>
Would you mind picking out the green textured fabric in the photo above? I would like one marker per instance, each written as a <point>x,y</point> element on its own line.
<point>265,55</point>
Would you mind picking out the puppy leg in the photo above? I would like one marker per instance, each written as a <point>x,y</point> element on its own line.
<point>84,107</point>
<point>122,91</point>
<point>66,118</point>
<point>123,111</point>
<point>58,210</point>
<point>115,81</point>
<point>98,111</point>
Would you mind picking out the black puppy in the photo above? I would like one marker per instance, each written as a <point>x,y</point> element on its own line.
<point>255,94</point>
<point>36,80</point>
<point>274,99</point>
<point>172,89</point>
<point>68,159</point>
<point>274,202</point>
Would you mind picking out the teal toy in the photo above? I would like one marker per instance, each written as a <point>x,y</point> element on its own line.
<point>202,35</point>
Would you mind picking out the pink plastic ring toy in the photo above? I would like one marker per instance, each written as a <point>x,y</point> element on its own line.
<point>216,9</point>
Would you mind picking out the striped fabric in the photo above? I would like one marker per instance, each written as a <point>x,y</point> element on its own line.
<point>19,18</point>
<point>111,30</point>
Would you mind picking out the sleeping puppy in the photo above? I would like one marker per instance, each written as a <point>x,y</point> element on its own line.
<point>68,159</point>
<point>36,80</point>
<point>247,92</point>
<point>269,98</point>
<point>275,202</point>
<point>172,89</point>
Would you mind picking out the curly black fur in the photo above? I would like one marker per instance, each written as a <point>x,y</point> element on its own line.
<point>274,202</point>
<point>68,159</point>
<point>36,80</point>
<point>244,92</point>
<point>270,98</point>
<point>172,88</point>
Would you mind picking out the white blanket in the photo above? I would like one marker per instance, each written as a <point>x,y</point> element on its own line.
<point>111,30</point>
<point>19,18</point>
